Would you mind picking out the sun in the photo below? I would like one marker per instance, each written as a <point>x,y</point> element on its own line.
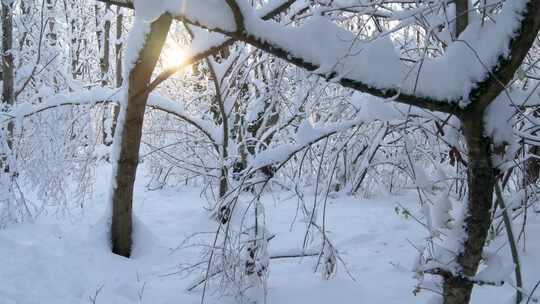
<point>173,57</point>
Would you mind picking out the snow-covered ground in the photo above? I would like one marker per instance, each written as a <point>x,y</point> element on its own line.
<point>57,261</point>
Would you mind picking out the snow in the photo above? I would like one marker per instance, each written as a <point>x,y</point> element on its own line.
<point>86,97</point>
<point>98,95</point>
<point>370,109</point>
<point>305,135</point>
<point>341,53</point>
<point>449,77</point>
<point>137,37</point>
<point>500,118</point>
<point>211,13</point>
<point>496,270</point>
<point>270,6</point>
<point>380,252</point>
<point>207,127</point>
<point>441,212</point>
<point>204,41</point>
<point>68,260</point>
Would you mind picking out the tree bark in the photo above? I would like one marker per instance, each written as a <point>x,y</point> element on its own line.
<point>119,69</point>
<point>118,46</point>
<point>7,55</point>
<point>457,288</point>
<point>52,35</point>
<point>532,164</point>
<point>220,118</point>
<point>8,71</point>
<point>103,38</point>
<point>532,167</point>
<point>462,15</point>
<point>130,139</point>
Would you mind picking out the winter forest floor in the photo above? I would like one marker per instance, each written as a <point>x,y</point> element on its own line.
<point>67,260</point>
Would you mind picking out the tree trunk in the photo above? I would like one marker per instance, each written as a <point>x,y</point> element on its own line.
<point>7,55</point>
<point>481,180</point>
<point>220,118</point>
<point>531,167</point>
<point>103,36</point>
<point>51,32</point>
<point>462,15</point>
<point>532,164</point>
<point>118,58</point>
<point>130,139</point>
<point>8,71</point>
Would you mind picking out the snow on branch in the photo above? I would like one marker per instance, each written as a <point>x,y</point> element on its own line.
<point>306,135</point>
<point>101,95</point>
<point>446,83</point>
<point>369,110</point>
<point>374,65</point>
<point>212,131</point>
<point>206,44</point>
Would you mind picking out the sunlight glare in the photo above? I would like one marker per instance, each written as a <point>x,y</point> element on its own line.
<point>173,57</point>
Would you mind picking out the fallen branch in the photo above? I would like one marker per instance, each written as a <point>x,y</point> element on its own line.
<point>200,281</point>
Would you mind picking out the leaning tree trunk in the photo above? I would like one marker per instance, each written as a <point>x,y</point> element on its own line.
<point>457,288</point>
<point>130,129</point>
